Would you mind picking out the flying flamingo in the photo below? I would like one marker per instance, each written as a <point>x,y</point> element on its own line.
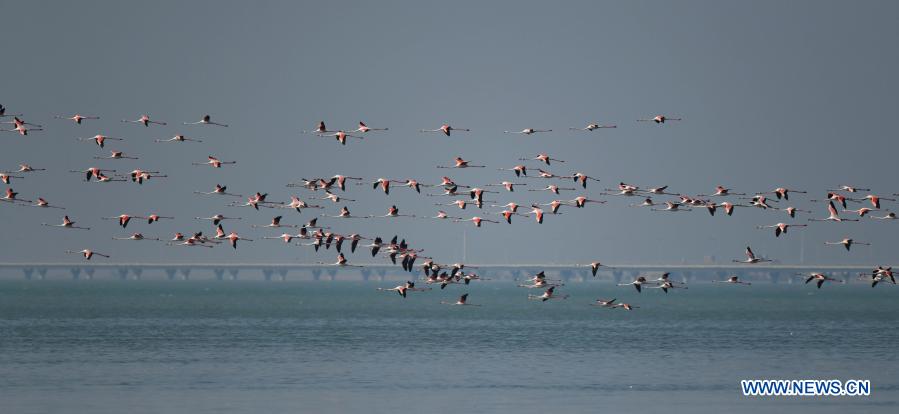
<point>850,189</point>
<point>508,185</point>
<point>443,216</point>
<point>445,129</point>
<point>144,120</point>
<point>670,206</point>
<point>76,118</point>
<point>581,201</point>
<point>594,267</point>
<point>27,168</point>
<point>528,131</point>
<point>139,176</point>
<point>477,221</point>
<point>298,205</point>
<point>847,243</point>
<point>463,301</point>
<point>519,170</point>
<point>750,258</point>
<point>233,238</point>
<point>179,138</point>
<point>784,193</point>
<point>319,129</point>
<point>116,155</point>
<point>10,197</point>
<point>578,176</point>
<point>733,280</point>
<point>626,306</point>
<point>87,253</point>
<point>334,197</point>
<point>860,212</point>
<point>875,200</point>
<point>345,213</point>
<point>834,216</point>
<point>592,127</point>
<point>507,215</point>
<point>721,191</point>
<point>218,218</point>
<point>21,129</point>
<point>791,211</point>
<point>647,202</point>
<point>395,212</point>
<point>835,197</point>
<point>409,286</point>
<point>780,228</point>
<point>136,237</point>
<point>66,224</point>
<point>152,218</point>
<point>92,172</point>
<point>365,128</point>
<point>100,139</point>
<point>6,178</point>
<point>554,189</point>
<point>123,219</point>
<point>542,157</point>
<point>605,303</point>
<point>547,295</point>
<point>206,120</point>
<point>3,113</point>
<point>887,216</point>
<point>820,278</point>
<point>340,136</point>
<point>460,163</point>
<point>45,204</point>
<point>667,285</point>
<point>214,162</point>
<point>219,190</point>
<point>659,119</point>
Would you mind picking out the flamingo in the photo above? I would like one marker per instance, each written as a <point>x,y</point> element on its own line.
<point>298,205</point>
<point>319,129</point>
<point>100,139</point>
<point>547,295</point>
<point>6,178</point>
<point>45,204</point>
<point>442,215</point>
<point>528,131</point>
<point>136,237</point>
<point>477,221</point>
<point>66,224</point>
<point>721,191</point>
<point>179,138</point>
<point>750,258</point>
<point>340,136</point>
<point>670,206</point>
<point>123,219</point>
<point>791,211</point>
<point>3,113</point>
<point>460,163</point>
<point>219,190</point>
<point>24,168</point>
<point>116,155</point>
<point>834,216</point>
<point>835,197</point>
<point>144,120</point>
<point>860,212</point>
<point>509,206</point>
<point>76,118</point>
<point>446,129</point>
<point>218,218</point>
<point>847,243</point>
<point>780,228</point>
<point>637,283</point>
<point>537,212</point>
<point>287,238</point>
<point>206,120</point>
<point>87,253</point>
<point>733,280</point>
<point>659,119</point>
<point>784,193</point>
<point>820,278</point>
<point>214,162</point>
<point>554,189</point>
<point>139,176</point>
<point>626,306</point>
<point>384,183</point>
<point>463,301</point>
<point>403,289</point>
<point>592,127</point>
<point>395,212</point>
<point>10,197</point>
<point>850,189</point>
<point>647,202</point>
<point>21,129</point>
<point>887,216</point>
<point>345,213</point>
<point>667,285</point>
<point>605,303</point>
<point>594,267</point>
<point>581,201</point>
<point>542,157</point>
<point>415,185</point>
<point>152,218</point>
<point>875,200</point>
<point>233,238</point>
<point>365,128</point>
<point>582,178</point>
<point>334,197</point>
<point>519,170</point>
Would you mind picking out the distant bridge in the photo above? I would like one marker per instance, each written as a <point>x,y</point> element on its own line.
<point>775,273</point>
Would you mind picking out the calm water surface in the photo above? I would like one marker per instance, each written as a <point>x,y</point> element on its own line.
<point>232,346</point>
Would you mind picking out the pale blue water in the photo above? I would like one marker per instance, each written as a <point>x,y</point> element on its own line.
<point>241,346</point>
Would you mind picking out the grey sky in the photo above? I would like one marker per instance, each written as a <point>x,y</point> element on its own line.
<point>799,94</point>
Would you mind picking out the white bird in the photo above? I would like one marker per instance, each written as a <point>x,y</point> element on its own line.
<point>206,120</point>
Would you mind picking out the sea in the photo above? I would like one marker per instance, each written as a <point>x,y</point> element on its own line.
<point>233,346</point>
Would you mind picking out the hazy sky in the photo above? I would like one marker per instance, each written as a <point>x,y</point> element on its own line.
<point>796,94</point>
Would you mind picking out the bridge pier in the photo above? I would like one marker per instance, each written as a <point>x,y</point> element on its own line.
<point>76,273</point>
<point>89,271</point>
<point>185,273</point>
<point>366,273</point>
<point>282,274</point>
<point>219,274</point>
<point>123,273</point>
<point>137,272</point>
<point>267,274</point>
<point>316,274</point>
<point>27,272</point>
<point>233,273</point>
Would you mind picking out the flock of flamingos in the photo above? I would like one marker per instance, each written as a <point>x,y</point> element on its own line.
<point>533,173</point>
